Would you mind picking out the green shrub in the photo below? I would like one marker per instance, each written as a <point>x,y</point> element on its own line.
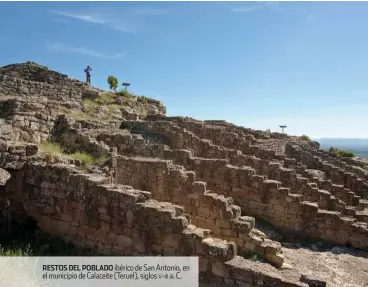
<point>113,82</point>
<point>341,152</point>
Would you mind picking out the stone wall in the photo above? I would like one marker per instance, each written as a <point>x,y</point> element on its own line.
<point>202,148</point>
<point>98,139</point>
<point>268,199</point>
<point>220,177</point>
<point>20,88</point>
<point>286,209</point>
<point>183,139</point>
<point>132,145</point>
<point>31,121</point>
<point>254,136</point>
<point>31,79</point>
<point>119,220</point>
<point>217,171</point>
<point>339,175</point>
<point>209,210</point>
<point>37,73</point>
<point>14,153</point>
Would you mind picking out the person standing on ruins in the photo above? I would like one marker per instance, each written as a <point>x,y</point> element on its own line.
<point>88,74</point>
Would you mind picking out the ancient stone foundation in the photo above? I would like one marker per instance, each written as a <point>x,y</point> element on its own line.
<point>170,185</point>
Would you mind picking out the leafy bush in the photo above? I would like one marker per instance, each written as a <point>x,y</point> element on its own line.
<point>113,82</point>
<point>341,152</point>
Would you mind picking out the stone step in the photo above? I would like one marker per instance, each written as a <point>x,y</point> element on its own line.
<point>198,232</point>
<point>363,204</point>
<point>362,216</point>
<point>350,210</point>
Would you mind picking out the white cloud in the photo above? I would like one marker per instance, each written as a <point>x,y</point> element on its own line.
<point>62,48</point>
<point>122,28</point>
<point>108,19</point>
<point>81,16</point>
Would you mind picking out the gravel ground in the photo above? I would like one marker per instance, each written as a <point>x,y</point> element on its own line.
<point>339,267</point>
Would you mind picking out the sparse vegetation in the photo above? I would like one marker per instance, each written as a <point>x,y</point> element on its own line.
<point>341,152</point>
<point>54,149</point>
<point>107,98</point>
<point>113,82</point>
<point>126,94</point>
<point>143,99</point>
<point>90,106</point>
<point>88,159</point>
<point>305,138</point>
<point>51,148</point>
<point>16,251</point>
<point>79,115</point>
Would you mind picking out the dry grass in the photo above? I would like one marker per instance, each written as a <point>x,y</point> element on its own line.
<point>51,148</point>
<point>79,115</point>
<point>18,251</point>
<point>107,100</point>
<point>127,95</point>
<point>54,149</point>
<point>88,159</point>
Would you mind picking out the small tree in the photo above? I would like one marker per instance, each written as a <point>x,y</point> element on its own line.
<point>125,85</point>
<point>113,82</point>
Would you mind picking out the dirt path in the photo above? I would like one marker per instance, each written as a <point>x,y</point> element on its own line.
<point>339,267</point>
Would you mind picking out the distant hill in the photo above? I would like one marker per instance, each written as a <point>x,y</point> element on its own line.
<point>359,146</point>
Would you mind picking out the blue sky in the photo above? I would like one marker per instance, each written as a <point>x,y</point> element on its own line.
<point>257,64</point>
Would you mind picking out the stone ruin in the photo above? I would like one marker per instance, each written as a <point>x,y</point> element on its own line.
<point>171,185</point>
